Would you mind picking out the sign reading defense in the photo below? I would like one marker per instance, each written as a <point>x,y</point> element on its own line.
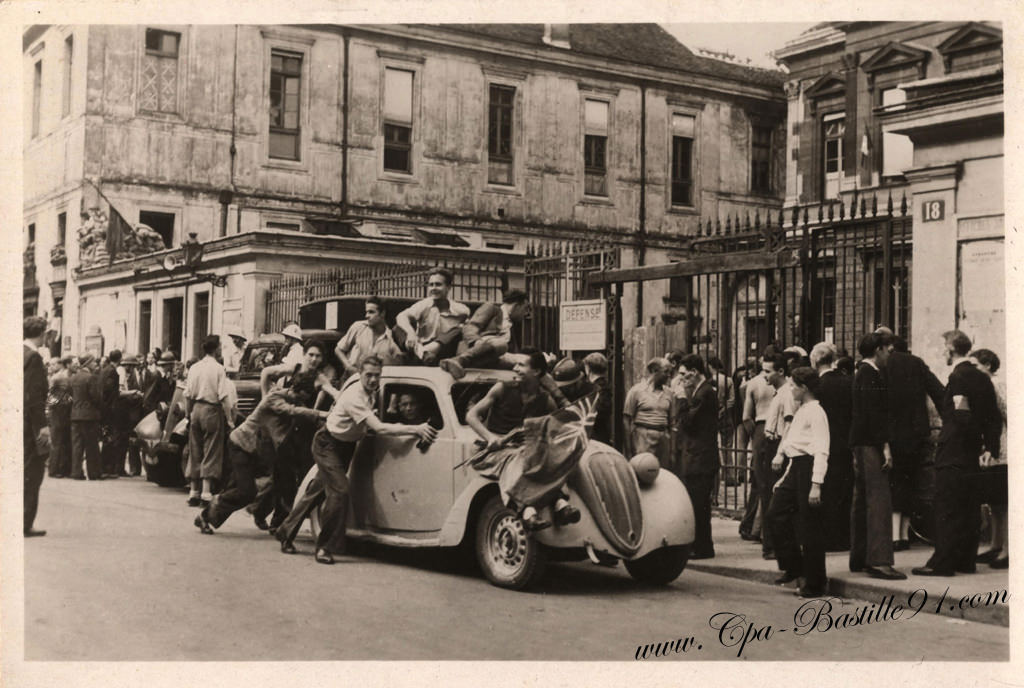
<point>583,325</point>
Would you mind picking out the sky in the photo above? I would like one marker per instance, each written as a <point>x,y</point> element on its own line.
<point>753,40</point>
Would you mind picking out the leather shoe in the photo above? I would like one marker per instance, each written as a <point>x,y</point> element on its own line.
<point>929,571</point>
<point>193,501</point>
<point>568,514</point>
<point>287,547</point>
<point>989,556</point>
<point>900,545</point>
<point>202,524</point>
<point>786,578</point>
<point>807,594</point>
<point>34,532</point>
<point>78,477</point>
<point>768,556</point>
<point>261,522</point>
<point>973,569</point>
<point>1001,563</point>
<point>535,522</point>
<point>750,538</point>
<point>323,557</point>
<point>885,573</point>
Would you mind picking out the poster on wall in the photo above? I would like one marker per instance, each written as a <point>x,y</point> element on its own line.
<point>981,302</point>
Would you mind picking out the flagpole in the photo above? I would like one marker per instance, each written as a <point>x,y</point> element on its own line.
<point>104,197</point>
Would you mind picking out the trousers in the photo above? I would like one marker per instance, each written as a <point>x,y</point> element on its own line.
<point>700,487</point>
<point>205,441</point>
<point>957,520</point>
<point>332,457</point>
<point>60,440</point>
<point>750,522</point>
<point>766,477</point>
<point>241,489</point>
<point>871,514</point>
<point>115,447</point>
<point>797,526</point>
<point>34,470</point>
<point>85,448</point>
<point>655,442</point>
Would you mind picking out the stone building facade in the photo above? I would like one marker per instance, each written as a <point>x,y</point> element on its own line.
<point>290,149</point>
<point>914,110</point>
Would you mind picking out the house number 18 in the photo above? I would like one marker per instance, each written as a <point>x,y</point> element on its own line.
<point>933,210</point>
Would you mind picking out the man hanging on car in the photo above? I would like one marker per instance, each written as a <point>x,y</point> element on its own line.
<point>528,479</point>
<point>334,445</point>
<point>429,329</point>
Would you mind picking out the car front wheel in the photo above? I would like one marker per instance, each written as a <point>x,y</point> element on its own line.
<point>660,567</point>
<point>509,556</point>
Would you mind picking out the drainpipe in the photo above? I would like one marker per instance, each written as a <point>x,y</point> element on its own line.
<point>641,235</point>
<point>344,126</point>
<point>227,196</point>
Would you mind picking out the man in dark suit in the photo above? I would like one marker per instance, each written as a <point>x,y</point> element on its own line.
<point>697,433</point>
<point>971,429</point>
<point>595,365</point>
<point>37,432</point>
<point>115,442</point>
<point>909,383</point>
<point>835,394</point>
<point>871,521</point>
<point>86,401</point>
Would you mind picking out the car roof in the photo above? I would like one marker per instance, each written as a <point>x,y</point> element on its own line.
<point>440,377</point>
<point>278,338</point>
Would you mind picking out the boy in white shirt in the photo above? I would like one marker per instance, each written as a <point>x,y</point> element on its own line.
<point>794,513</point>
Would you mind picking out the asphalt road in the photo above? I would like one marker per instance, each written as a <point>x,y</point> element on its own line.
<point>124,575</point>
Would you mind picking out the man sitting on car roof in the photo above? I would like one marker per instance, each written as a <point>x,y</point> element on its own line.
<point>487,336</point>
<point>370,337</point>
<point>429,329</point>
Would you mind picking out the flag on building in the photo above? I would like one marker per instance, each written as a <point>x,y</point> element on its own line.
<point>865,146</point>
<point>117,229</point>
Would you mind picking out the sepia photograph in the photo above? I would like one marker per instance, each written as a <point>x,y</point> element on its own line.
<point>435,341</point>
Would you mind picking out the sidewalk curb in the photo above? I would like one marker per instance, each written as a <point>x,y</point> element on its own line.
<point>996,615</point>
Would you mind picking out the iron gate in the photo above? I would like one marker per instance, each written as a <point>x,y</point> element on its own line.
<point>557,272</point>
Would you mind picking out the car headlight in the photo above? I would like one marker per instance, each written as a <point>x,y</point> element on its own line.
<point>646,467</point>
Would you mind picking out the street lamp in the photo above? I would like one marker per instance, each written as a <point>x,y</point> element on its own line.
<point>191,255</point>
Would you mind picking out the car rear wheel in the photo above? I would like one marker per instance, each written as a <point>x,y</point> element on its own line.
<point>508,555</point>
<point>660,567</point>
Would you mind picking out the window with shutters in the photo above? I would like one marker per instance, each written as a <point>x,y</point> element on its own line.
<point>397,122</point>
<point>285,94</point>
<point>69,53</point>
<point>158,85</point>
<point>501,110</point>
<point>37,94</point>
<point>595,148</point>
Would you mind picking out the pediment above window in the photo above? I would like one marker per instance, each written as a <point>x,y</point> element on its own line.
<point>829,86</point>
<point>970,39</point>
<point>895,56</point>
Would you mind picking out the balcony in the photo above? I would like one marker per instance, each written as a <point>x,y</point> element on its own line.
<point>58,256</point>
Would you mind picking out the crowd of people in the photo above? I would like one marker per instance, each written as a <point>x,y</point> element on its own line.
<point>835,448</point>
<point>836,451</point>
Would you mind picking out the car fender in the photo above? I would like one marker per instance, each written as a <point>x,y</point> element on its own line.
<point>455,524</point>
<point>668,514</point>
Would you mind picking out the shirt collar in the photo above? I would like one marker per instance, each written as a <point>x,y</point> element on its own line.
<point>871,362</point>
<point>31,345</point>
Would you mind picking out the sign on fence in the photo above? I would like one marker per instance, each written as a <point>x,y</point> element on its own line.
<point>583,325</point>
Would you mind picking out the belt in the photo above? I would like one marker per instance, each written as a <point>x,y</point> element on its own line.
<point>651,427</point>
<point>208,403</point>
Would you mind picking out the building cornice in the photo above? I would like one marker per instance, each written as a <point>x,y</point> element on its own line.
<point>555,58</point>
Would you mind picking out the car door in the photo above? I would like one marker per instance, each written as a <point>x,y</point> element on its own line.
<point>411,484</point>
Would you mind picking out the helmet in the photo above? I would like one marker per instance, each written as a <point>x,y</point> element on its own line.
<point>566,372</point>
<point>292,330</point>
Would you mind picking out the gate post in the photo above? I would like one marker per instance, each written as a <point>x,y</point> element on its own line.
<point>617,378</point>
<point>886,272</point>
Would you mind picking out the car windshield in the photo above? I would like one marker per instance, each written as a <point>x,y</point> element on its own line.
<point>259,356</point>
<point>465,394</point>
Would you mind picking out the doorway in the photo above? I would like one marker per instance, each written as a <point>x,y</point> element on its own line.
<point>201,323</point>
<point>174,321</point>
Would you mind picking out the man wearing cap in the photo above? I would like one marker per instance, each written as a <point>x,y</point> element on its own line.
<point>430,328</point>
<point>86,401</point>
<point>160,391</point>
<point>233,361</point>
<point>369,337</point>
<point>36,441</point>
<point>293,339</point>
<point>647,415</point>
<point>487,336</point>
<point>568,375</point>
<point>208,407</point>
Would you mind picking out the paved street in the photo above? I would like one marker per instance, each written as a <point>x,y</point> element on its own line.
<point>124,575</point>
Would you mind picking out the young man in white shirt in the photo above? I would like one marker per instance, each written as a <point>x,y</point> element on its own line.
<point>794,514</point>
<point>430,328</point>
